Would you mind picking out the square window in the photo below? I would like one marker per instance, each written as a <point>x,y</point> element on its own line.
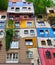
<point>51,11</point>
<point>29,24</point>
<point>49,42</point>
<point>29,42</point>
<point>24,8</point>
<point>14,44</point>
<point>25,31</point>
<point>29,54</point>
<point>32,32</point>
<point>17,24</point>
<point>12,8</point>
<point>43,42</point>
<point>14,3</point>
<point>3,17</point>
<point>41,31</point>
<point>46,31</point>
<point>17,9</point>
<point>54,30</point>
<point>41,23</point>
<point>12,58</point>
<point>54,55</point>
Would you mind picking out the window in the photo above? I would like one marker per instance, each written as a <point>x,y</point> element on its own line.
<point>12,8</point>
<point>43,42</point>
<point>0,45</point>
<point>41,31</point>
<point>32,32</point>
<point>29,23</point>
<point>17,9</point>
<point>46,31</point>
<point>41,24</point>
<point>24,8</point>
<point>32,63</point>
<point>29,8</point>
<point>40,16</point>
<point>29,54</point>
<point>1,32</point>
<point>25,31</point>
<point>3,17</point>
<point>48,54</point>
<point>54,30</point>
<point>54,55</point>
<point>25,16</point>
<point>51,11</point>
<point>49,42</point>
<point>29,42</point>
<point>17,33</point>
<point>17,24</point>
<point>14,44</point>
<point>1,24</point>
<point>14,3</point>
<point>12,58</point>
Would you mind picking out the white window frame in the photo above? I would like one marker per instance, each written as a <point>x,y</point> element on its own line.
<point>14,44</point>
<point>10,58</point>
<point>30,54</point>
<point>28,24</point>
<point>29,43</point>
<point>32,33</point>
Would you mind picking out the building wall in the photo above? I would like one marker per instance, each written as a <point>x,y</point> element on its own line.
<point>22,34</point>
<point>34,42</point>
<point>2,50</point>
<point>23,24</point>
<point>47,25</point>
<point>45,39</point>
<point>51,33</point>
<point>44,60</point>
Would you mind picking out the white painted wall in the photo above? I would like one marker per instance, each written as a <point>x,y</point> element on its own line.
<point>21,10</point>
<point>27,35</point>
<point>35,56</point>
<point>45,46</point>
<point>47,25</point>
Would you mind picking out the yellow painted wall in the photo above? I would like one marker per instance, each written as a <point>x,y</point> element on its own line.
<point>24,22</point>
<point>7,26</point>
<point>34,43</point>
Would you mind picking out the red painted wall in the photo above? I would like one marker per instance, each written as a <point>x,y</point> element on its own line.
<point>44,60</point>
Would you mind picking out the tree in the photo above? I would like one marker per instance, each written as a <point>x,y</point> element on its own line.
<point>40,5</point>
<point>3,4</point>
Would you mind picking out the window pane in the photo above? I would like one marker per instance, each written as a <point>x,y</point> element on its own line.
<point>43,42</point>
<point>25,31</point>
<point>41,31</point>
<point>49,42</point>
<point>54,55</point>
<point>29,23</point>
<point>31,31</point>
<point>48,55</point>
<point>29,42</point>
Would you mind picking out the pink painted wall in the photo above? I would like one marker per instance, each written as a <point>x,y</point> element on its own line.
<point>43,58</point>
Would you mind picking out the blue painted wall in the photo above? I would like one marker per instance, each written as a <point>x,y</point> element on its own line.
<point>51,33</point>
<point>2,24</point>
<point>10,4</point>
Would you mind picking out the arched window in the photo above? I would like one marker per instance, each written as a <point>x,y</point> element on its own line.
<point>48,54</point>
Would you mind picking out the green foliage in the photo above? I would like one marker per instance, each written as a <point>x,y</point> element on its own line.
<point>40,5</point>
<point>3,4</point>
<point>9,34</point>
<point>10,23</point>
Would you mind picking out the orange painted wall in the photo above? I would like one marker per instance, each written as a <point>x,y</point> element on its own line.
<point>24,22</point>
<point>34,42</point>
